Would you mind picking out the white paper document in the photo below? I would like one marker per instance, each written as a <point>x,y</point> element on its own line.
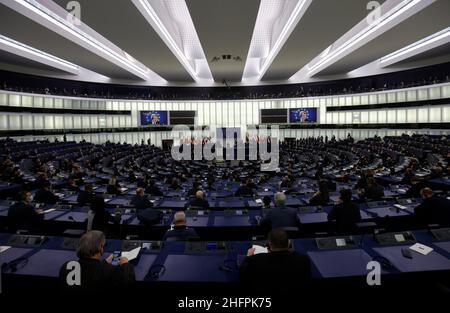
<point>4,248</point>
<point>259,201</point>
<point>422,249</point>
<point>399,206</point>
<point>131,255</point>
<point>259,249</point>
<point>399,237</point>
<point>49,210</point>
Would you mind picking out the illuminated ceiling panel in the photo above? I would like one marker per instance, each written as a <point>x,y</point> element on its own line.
<point>428,43</point>
<point>54,17</point>
<point>275,22</point>
<point>173,23</point>
<point>390,14</point>
<point>25,51</point>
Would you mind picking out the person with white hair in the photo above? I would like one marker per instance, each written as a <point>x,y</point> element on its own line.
<point>280,216</point>
<point>179,230</point>
<point>200,201</point>
<point>98,274</point>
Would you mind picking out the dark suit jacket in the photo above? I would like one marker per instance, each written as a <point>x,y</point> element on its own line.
<point>180,233</point>
<point>434,210</point>
<point>244,191</point>
<point>141,203</point>
<point>101,220</point>
<point>346,216</point>
<point>275,270</point>
<point>23,216</point>
<point>85,197</point>
<point>154,191</point>
<point>319,199</point>
<point>99,275</point>
<point>45,196</point>
<point>374,193</point>
<point>201,203</point>
<point>280,217</point>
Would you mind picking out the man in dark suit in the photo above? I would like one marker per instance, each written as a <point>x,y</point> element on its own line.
<point>200,201</point>
<point>86,196</point>
<point>373,191</point>
<point>280,215</point>
<point>179,229</point>
<point>244,190</point>
<point>140,201</point>
<point>98,275</point>
<point>433,209</point>
<point>45,195</point>
<point>345,213</point>
<point>153,190</point>
<point>22,215</point>
<point>280,268</point>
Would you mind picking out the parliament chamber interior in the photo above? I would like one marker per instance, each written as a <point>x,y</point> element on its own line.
<point>224,155</point>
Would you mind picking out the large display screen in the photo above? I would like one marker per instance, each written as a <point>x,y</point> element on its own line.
<point>303,115</point>
<point>153,118</point>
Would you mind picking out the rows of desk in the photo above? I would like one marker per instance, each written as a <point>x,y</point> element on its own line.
<point>219,261</point>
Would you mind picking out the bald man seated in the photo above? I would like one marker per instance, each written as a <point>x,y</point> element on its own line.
<point>200,201</point>
<point>140,200</point>
<point>433,209</point>
<point>179,230</point>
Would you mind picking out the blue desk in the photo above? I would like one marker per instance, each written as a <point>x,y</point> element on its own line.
<point>71,198</point>
<point>309,218</point>
<point>175,204</point>
<point>76,216</point>
<point>13,253</point>
<point>340,263</point>
<point>198,268</point>
<point>387,211</point>
<point>431,262</point>
<point>53,214</point>
<point>119,201</point>
<point>445,245</point>
<point>4,212</point>
<point>197,221</point>
<point>142,268</point>
<point>230,221</point>
<point>47,262</point>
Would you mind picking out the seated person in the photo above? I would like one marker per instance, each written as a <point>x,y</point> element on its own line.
<point>433,209</point>
<point>267,202</point>
<point>17,176</point>
<point>179,230</point>
<point>345,213</point>
<point>280,268</point>
<point>200,201</point>
<point>45,195</point>
<point>321,197</point>
<point>175,184</point>
<point>286,183</point>
<point>72,186</point>
<point>153,190</point>
<point>98,275</point>
<point>193,191</point>
<point>280,215</point>
<point>113,187</point>
<point>373,191</point>
<point>244,190</point>
<point>416,186</point>
<point>102,218</point>
<point>87,195</point>
<point>22,215</point>
<point>140,200</point>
